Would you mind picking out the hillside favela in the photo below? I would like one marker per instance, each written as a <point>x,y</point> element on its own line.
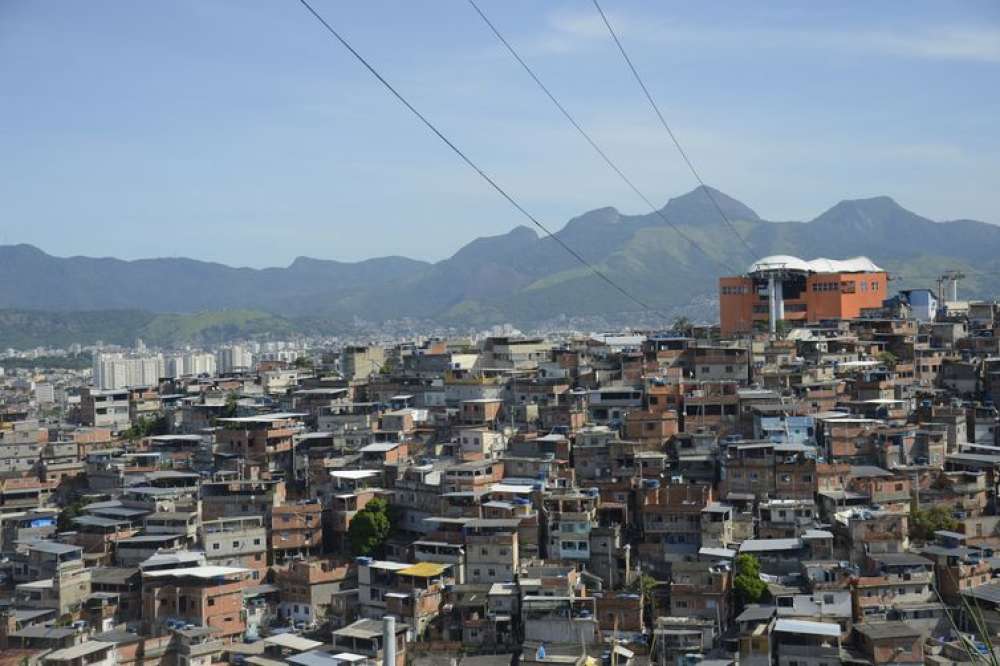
<point>413,336</point>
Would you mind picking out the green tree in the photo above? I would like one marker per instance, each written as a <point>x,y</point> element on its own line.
<point>747,585</point>
<point>369,529</point>
<point>683,326</point>
<point>888,359</point>
<point>782,328</point>
<point>64,522</point>
<point>229,411</point>
<point>145,427</point>
<point>925,522</point>
<point>645,585</point>
<point>303,363</point>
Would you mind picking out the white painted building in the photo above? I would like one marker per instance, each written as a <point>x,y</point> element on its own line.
<point>234,358</point>
<point>118,370</point>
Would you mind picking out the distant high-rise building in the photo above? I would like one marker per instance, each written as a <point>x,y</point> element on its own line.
<point>45,393</point>
<point>198,363</point>
<point>117,370</point>
<point>190,364</point>
<point>234,358</point>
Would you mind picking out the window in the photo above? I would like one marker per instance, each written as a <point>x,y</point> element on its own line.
<point>236,544</point>
<point>211,601</point>
<point>215,546</point>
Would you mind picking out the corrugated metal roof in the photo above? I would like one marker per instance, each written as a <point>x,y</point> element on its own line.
<point>763,545</point>
<point>292,642</point>
<point>424,569</point>
<point>77,651</point>
<point>807,627</point>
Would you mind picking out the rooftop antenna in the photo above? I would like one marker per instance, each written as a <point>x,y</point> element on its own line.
<point>948,286</point>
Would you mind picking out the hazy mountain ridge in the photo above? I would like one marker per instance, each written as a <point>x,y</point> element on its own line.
<point>520,276</point>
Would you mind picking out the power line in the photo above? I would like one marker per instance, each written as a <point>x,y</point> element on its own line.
<point>588,138</point>
<point>972,272</point>
<point>465,158</point>
<point>670,132</point>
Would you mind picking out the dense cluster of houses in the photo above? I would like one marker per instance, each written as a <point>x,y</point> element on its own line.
<point>568,499</point>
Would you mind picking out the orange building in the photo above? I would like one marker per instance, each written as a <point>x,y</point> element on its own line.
<point>206,596</point>
<point>788,288</point>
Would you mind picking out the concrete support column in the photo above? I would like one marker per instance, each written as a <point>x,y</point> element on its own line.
<point>389,640</point>
<point>772,304</point>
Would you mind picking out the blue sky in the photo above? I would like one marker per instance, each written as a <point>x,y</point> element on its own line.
<point>241,132</point>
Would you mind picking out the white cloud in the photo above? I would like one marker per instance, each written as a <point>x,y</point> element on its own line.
<point>572,31</point>
<point>946,43</point>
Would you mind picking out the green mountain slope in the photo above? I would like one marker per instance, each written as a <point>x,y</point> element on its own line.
<point>25,329</point>
<point>517,277</point>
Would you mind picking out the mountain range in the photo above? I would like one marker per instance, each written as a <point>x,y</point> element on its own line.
<point>517,277</point>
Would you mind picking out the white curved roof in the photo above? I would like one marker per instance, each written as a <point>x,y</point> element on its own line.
<point>821,265</point>
<point>779,261</point>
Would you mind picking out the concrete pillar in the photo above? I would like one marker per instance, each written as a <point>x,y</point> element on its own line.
<point>389,640</point>
<point>774,302</point>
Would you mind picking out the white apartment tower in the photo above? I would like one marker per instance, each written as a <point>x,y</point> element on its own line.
<point>234,358</point>
<point>118,370</point>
